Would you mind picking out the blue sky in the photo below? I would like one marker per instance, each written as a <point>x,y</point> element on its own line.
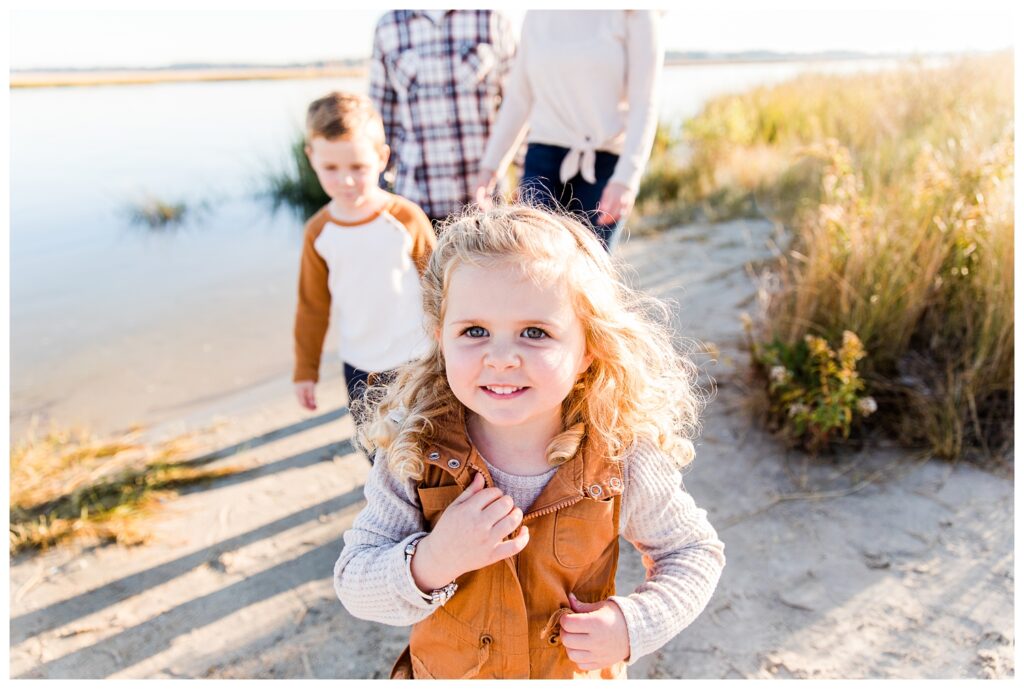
<point>117,34</point>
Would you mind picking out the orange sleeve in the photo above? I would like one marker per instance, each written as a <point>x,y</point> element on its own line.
<point>314,308</point>
<point>417,224</point>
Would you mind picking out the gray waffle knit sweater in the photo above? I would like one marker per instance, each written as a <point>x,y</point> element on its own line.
<point>681,551</point>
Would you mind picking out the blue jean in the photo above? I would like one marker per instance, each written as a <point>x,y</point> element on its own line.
<point>541,185</point>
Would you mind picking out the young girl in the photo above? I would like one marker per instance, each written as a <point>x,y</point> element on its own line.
<point>550,417</point>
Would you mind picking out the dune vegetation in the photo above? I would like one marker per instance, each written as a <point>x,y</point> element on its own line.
<point>294,184</point>
<point>71,485</point>
<point>895,192</point>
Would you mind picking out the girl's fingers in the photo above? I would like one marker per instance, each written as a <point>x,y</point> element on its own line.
<point>511,547</point>
<point>507,524</point>
<point>496,511</point>
<point>482,498</point>
<point>472,489</point>
<point>580,608</point>
<point>578,655</point>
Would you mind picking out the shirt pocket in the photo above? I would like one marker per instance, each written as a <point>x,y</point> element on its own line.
<point>403,70</point>
<point>477,63</point>
<point>583,532</point>
<point>434,501</point>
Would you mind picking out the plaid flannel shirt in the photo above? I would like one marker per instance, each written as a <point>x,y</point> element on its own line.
<point>437,85</point>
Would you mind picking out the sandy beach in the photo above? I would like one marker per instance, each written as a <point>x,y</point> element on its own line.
<point>874,564</point>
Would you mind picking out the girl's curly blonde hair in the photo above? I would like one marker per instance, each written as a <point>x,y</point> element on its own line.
<point>638,385</point>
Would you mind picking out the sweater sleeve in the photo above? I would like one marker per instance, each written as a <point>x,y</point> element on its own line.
<point>510,125</point>
<point>313,312</point>
<point>371,577</point>
<point>680,549</point>
<point>645,54</point>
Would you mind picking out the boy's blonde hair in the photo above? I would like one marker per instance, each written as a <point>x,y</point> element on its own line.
<point>637,387</point>
<point>341,114</point>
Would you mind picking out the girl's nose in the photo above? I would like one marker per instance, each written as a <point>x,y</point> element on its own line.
<point>501,357</point>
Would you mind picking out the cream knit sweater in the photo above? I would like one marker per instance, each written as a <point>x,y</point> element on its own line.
<point>587,81</point>
<point>681,551</point>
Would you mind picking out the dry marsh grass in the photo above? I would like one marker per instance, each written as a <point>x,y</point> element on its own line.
<point>897,191</point>
<point>295,185</point>
<point>70,485</point>
<point>157,213</point>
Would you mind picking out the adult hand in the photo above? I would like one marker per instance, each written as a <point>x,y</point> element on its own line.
<point>483,188</point>
<point>616,202</point>
<point>305,392</point>
<point>469,535</point>
<point>594,634</point>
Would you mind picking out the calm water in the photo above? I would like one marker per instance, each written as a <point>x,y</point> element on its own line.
<point>112,322</point>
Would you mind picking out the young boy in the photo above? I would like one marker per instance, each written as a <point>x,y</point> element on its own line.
<point>362,256</point>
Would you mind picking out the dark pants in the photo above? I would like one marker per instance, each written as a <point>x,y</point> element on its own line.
<point>357,380</point>
<point>540,184</point>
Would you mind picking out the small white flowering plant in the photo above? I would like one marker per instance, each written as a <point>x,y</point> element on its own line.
<point>815,392</point>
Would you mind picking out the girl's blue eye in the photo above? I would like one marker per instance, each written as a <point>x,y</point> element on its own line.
<point>534,333</point>
<point>475,331</point>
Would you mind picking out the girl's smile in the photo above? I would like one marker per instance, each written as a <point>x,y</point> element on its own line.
<point>504,392</point>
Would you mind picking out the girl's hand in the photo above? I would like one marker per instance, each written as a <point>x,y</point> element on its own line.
<point>468,536</point>
<point>305,393</point>
<point>616,202</point>
<point>483,188</point>
<point>594,634</point>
